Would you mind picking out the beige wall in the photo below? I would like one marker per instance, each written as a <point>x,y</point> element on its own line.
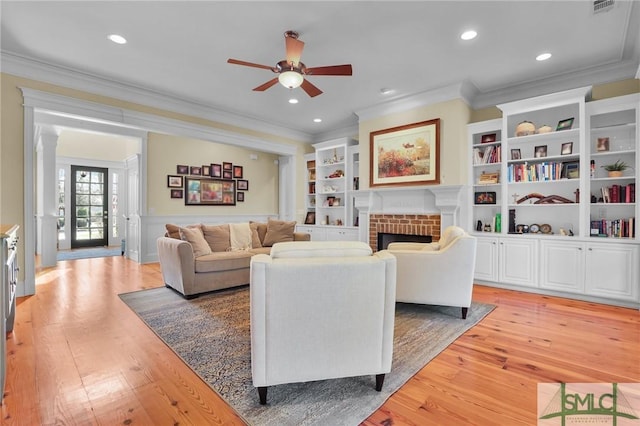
<point>97,146</point>
<point>165,152</point>
<point>454,116</point>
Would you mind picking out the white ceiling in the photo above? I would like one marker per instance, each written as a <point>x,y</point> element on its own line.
<point>179,49</point>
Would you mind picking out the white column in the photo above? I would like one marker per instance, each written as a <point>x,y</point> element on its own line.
<point>46,198</point>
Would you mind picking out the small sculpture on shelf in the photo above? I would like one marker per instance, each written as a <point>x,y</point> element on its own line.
<point>525,128</point>
<point>545,199</point>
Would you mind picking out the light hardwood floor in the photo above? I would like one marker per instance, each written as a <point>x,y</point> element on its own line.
<point>79,356</point>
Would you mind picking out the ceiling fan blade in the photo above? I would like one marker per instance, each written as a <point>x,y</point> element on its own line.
<point>330,70</point>
<point>249,64</point>
<point>294,50</point>
<point>266,85</point>
<point>310,88</point>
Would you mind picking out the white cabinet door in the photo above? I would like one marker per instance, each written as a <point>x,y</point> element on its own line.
<point>317,234</point>
<point>342,234</point>
<point>518,262</point>
<point>612,271</point>
<point>487,259</point>
<point>562,266</point>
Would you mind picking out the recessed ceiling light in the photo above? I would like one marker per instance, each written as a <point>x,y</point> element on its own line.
<point>293,101</point>
<point>386,91</point>
<point>317,120</point>
<point>543,56</point>
<point>117,39</point>
<point>468,35</point>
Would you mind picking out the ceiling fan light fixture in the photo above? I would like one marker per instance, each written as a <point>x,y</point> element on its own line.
<point>290,79</point>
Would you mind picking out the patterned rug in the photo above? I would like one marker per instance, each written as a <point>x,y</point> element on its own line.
<point>211,334</point>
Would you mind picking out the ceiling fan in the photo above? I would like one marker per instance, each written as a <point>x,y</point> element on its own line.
<point>291,71</point>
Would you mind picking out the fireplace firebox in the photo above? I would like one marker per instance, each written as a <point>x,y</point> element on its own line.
<point>385,238</point>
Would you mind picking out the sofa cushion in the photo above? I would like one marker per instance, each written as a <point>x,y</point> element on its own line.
<point>302,249</point>
<point>240,236</point>
<point>195,237</point>
<point>260,250</point>
<point>261,228</point>
<point>256,242</point>
<point>223,261</point>
<point>173,231</point>
<point>278,231</point>
<point>217,236</point>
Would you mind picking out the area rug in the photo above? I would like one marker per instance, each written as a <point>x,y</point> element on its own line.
<point>89,253</point>
<point>211,334</point>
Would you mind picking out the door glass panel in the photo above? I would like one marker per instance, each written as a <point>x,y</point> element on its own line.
<point>90,207</point>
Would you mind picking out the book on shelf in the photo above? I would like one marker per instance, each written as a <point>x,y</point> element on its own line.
<point>619,193</point>
<point>535,172</point>
<point>615,228</point>
<point>487,155</point>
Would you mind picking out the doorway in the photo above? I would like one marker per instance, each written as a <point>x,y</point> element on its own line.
<point>89,206</point>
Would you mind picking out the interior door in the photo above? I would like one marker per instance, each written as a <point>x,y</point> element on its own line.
<point>89,206</point>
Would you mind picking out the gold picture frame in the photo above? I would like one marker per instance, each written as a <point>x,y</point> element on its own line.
<point>405,155</point>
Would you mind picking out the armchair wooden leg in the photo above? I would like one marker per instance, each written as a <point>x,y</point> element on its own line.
<point>262,393</point>
<point>464,313</point>
<point>379,381</point>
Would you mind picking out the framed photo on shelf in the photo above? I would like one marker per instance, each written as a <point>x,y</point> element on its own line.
<point>488,138</point>
<point>602,144</point>
<point>565,124</point>
<point>216,170</point>
<point>515,154</point>
<point>174,181</point>
<point>485,198</point>
<point>310,219</point>
<point>540,151</point>
<point>567,148</point>
<point>405,155</point>
<point>177,193</point>
<point>211,192</point>
<point>571,169</point>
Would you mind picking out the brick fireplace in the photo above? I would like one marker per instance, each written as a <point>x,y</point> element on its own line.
<point>407,224</point>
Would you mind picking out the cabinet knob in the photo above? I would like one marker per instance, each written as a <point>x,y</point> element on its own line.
<point>580,248</point>
<point>590,249</point>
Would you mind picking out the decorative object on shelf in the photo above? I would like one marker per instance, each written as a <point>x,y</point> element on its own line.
<point>177,193</point>
<point>522,229</point>
<point>487,227</point>
<point>616,169</point>
<point>525,128</point>
<point>336,202</point>
<point>567,148</point>
<point>577,192</point>
<point>310,219</point>
<point>406,155</point>
<point>540,151</point>
<point>512,221</point>
<point>356,183</point>
<point>498,222</point>
<point>544,129</point>
<point>602,144</point>
<point>515,154</point>
<point>545,228</point>
<point>488,178</point>
<point>336,174</point>
<point>479,226</point>
<point>182,170</point>
<point>211,192</point>
<point>327,189</point>
<point>592,168</point>
<point>534,228</point>
<point>565,124</point>
<point>174,181</point>
<point>485,198</point>
<point>330,201</point>
<point>571,170</point>
<point>545,199</point>
<point>488,138</point>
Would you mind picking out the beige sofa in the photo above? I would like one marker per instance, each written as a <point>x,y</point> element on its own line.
<point>199,258</point>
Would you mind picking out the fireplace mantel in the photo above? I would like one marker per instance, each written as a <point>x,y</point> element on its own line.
<point>444,200</point>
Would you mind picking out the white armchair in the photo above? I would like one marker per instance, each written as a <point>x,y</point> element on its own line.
<point>321,310</point>
<point>439,273</point>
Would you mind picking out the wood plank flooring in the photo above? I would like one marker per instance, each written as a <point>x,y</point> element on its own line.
<point>79,356</point>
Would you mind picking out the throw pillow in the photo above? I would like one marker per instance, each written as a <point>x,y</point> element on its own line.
<point>217,236</point>
<point>195,237</point>
<point>173,231</point>
<point>240,236</point>
<point>278,231</point>
<point>255,237</point>
<point>261,229</point>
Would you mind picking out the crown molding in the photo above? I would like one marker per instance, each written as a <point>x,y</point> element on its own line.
<point>30,68</point>
<point>430,97</point>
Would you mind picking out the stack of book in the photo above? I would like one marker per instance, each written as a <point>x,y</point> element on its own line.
<point>490,154</point>
<point>619,193</point>
<point>617,228</point>
<point>536,172</point>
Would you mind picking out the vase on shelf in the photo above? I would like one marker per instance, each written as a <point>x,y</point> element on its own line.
<point>615,173</point>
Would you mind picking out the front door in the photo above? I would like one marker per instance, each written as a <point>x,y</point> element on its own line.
<point>89,206</point>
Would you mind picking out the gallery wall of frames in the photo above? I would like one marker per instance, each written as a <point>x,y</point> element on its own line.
<point>215,184</point>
